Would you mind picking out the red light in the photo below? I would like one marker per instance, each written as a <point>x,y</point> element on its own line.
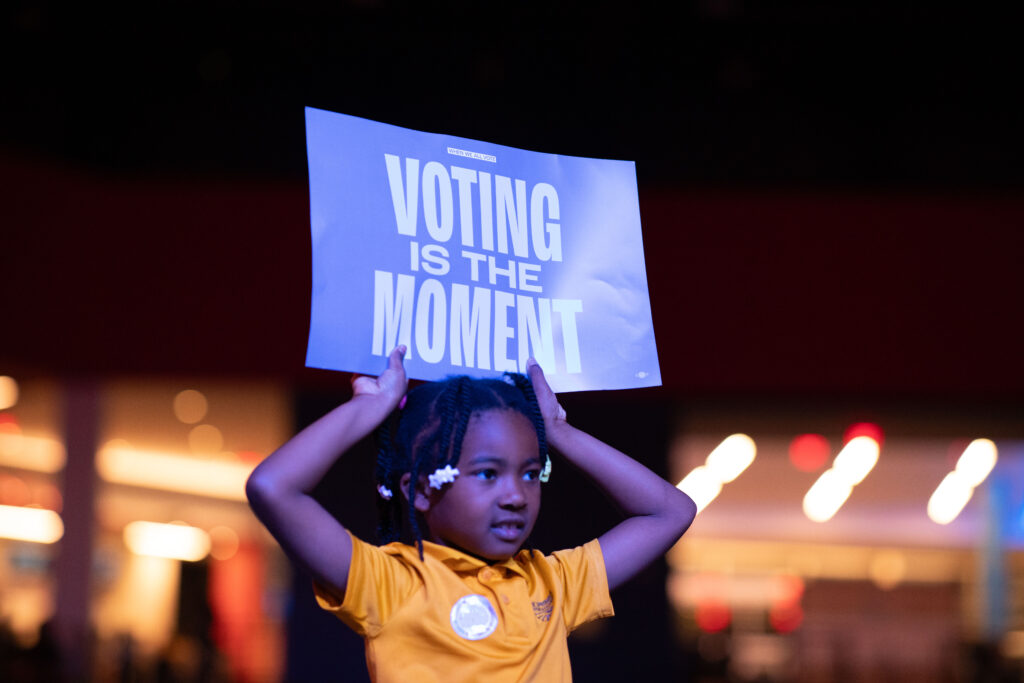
<point>808,452</point>
<point>713,616</point>
<point>785,618</point>
<point>863,429</point>
<point>250,456</point>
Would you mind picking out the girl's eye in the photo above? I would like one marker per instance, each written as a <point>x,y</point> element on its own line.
<point>485,474</point>
<point>532,475</point>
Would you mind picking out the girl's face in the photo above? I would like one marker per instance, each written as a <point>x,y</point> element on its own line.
<point>490,509</point>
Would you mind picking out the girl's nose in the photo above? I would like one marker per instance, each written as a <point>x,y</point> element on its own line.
<point>513,495</point>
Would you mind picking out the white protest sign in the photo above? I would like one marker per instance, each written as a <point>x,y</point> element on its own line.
<point>476,257</point>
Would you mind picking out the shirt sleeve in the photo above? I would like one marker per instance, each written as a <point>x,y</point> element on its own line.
<point>378,584</point>
<point>585,584</point>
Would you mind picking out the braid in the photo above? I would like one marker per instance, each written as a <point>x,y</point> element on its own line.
<point>526,386</point>
<point>388,510</point>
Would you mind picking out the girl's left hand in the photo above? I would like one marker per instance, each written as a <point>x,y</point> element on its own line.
<point>391,384</point>
<point>550,409</point>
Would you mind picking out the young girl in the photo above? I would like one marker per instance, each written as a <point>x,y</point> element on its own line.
<point>460,477</point>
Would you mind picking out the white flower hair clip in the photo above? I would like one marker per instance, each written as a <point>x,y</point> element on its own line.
<point>545,474</point>
<point>384,492</point>
<point>443,475</point>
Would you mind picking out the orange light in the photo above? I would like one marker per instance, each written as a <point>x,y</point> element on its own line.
<point>118,463</point>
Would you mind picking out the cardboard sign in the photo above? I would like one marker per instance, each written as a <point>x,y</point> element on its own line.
<point>476,257</point>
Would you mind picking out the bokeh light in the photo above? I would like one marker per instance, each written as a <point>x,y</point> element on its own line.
<point>8,392</point>
<point>205,439</point>
<point>701,485</point>
<point>888,569</point>
<point>785,618</point>
<point>223,543</point>
<point>30,524</point>
<point>977,461</point>
<point>858,457</point>
<point>949,498</point>
<point>14,491</point>
<point>809,452</point>
<point>728,460</point>
<point>713,616</point>
<point>190,406</point>
<point>172,541</point>
<point>826,496</point>
<point>869,429</point>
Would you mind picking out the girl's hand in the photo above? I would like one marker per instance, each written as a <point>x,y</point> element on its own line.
<point>550,409</point>
<point>390,385</point>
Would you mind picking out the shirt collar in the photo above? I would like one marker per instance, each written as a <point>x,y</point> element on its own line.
<point>462,563</point>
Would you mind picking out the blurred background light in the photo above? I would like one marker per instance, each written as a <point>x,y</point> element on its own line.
<point>30,524</point>
<point>977,461</point>
<point>809,452</point>
<point>14,491</point>
<point>955,490</point>
<point>869,429</point>
<point>121,464</point>
<point>205,438</point>
<point>36,453</point>
<point>826,496</point>
<point>223,543</point>
<point>702,485</point>
<point>724,463</point>
<point>857,459</point>
<point>713,616</point>
<point>190,406</point>
<point>171,541</point>
<point>888,569</point>
<point>728,460</point>
<point>853,463</point>
<point>8,392</point>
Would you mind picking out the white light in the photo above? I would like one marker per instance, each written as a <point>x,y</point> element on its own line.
<point>174,472</point>
<point>173,541</point>
<point>977,461</point>
<point>949,498</point>
<point>701,485</point>
<point>731,457</point>
<point>30,524</point>
<point>857,458</point>
<point>826,496</point>
<point>36,453</point>
<point>8,392</point>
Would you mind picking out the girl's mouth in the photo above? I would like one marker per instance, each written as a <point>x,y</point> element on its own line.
<point>508,530</point>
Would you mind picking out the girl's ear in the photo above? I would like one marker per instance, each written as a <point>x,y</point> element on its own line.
<point>422,503</point>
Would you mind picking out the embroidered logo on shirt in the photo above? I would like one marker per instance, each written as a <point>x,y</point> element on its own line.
<point>473,617</point>
<point>542,609</point>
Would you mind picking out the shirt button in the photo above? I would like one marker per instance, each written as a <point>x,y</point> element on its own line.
<point>487,574</point>
<point>504,599</point>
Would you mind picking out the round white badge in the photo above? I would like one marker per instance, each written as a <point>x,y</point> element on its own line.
<point>473,617</point>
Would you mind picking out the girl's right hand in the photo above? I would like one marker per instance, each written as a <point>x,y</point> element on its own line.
<point>390,385</point>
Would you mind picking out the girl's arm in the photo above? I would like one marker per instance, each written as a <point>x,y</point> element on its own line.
<point>658,513</point>
<point>280,488</point>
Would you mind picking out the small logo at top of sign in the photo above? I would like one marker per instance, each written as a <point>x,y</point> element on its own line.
<point>473,617</point>
<point>472,155</point>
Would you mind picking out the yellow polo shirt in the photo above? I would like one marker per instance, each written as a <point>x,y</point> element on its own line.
<point>452,617</point>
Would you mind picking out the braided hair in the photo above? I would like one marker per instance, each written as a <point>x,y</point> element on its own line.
<point>427,433</point>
